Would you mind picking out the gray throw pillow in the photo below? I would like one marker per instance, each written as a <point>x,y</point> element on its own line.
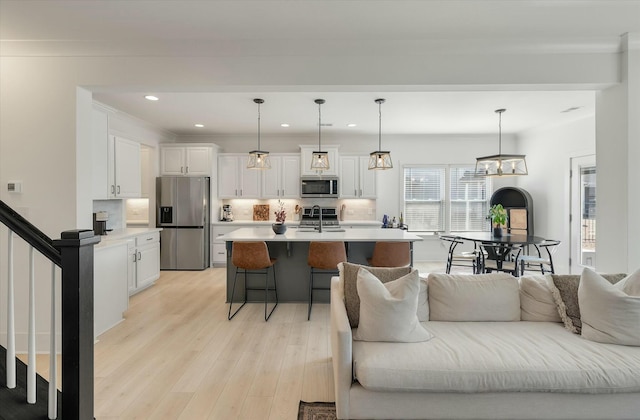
<point>349,277</point>
<point>565,295</point>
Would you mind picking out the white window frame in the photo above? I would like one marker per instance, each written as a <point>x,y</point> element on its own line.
<point>446,198</point>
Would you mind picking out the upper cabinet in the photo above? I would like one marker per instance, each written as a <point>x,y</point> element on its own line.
<point>356,180</point>
<point>235,180</point>
<point>305,160</point>
<point>283,179</point>
<point>185,160</point>
<point>116,169</point>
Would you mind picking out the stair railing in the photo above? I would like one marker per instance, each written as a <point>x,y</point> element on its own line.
<point>73,253</point>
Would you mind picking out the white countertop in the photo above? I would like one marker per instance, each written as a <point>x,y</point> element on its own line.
<point>293,235</point>
<point>295,223</point>
<point>117,236</point>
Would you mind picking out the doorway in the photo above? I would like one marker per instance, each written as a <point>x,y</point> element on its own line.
<point>583,213</point>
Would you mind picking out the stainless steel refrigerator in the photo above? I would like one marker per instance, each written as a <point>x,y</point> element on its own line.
<point>183,211</point>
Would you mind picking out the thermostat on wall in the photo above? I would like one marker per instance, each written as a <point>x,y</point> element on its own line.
<point>14,186</point>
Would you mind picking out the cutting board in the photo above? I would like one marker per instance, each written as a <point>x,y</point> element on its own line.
<point>260,212</point>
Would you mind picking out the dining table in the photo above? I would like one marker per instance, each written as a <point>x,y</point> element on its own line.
<point>498,248</point>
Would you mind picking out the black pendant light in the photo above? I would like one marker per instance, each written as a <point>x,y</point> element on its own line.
<point>500,164</point>
<point>319,159</point>
<point>259,159</point>
<point>380,159</point>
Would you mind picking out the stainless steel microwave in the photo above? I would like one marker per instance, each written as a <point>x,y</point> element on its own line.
<point>319,187</point>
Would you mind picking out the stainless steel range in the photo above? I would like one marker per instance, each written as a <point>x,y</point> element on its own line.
<point>311,217</point>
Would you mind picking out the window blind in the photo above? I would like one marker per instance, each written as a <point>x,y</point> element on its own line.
<point>424,198</point>
<point>468,196</point>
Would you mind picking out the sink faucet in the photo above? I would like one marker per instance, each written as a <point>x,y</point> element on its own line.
<point>313,212</point>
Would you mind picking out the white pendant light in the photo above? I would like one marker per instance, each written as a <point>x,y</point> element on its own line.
<point>319,159</point>
<point>380,159</point>
<point>499,165</point>
<point>259,159</point>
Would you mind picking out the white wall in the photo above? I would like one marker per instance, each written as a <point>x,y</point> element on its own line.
<point>549,152</point>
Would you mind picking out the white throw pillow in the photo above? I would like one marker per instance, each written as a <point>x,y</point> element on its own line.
<point>482,297</point>
<point>608,313</point>
<point>536,299</point>
<point>388,310</point>
<point>423,301</point>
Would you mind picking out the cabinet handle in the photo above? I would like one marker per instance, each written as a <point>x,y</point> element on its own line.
<point>118,189</point>
<point>182,169</point>
<point>139,256</point>
<point>113,189</point>
<point>135,257</point>
<point>240,192</point>
<point>236,193</point>
<point>186,170</point>
<point>355,192</point>
<point>149,239</point>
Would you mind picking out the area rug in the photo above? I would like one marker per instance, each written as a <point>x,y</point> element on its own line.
<point>317,411</point>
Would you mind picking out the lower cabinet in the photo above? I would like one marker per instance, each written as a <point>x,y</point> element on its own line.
<point>145,260</point>
<point>110,291</point>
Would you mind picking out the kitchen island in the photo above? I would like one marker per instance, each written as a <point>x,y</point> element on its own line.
<point>291,249</point>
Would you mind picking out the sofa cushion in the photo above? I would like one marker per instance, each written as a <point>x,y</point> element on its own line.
<point>565,294</point>
<point>388,310</point>
<point>608,313</point>
<point>423,299</point>
<point>482,297</point>
<point>498,357</point>
<point>536,299</point>
<point>348,281</point>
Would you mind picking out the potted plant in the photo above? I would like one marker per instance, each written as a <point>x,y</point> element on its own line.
<point>498,218</point>
<point>281,214</point>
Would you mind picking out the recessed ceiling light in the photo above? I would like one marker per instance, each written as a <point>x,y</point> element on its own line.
<point>151,98</point>
<point>352,125</point>
<point>199,125</point>
<point>284,125</point>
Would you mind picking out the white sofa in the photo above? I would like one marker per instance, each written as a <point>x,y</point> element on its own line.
<point>482,370</point>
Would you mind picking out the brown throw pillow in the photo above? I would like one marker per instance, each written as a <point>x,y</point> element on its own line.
<point>349,277</point>
<point>565,295</point>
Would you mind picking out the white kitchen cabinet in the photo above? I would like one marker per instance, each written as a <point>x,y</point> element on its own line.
<point>110,287</point>
<point>146,259</point>
<point>356,180</point>
<point>235,180</point>
<point>185,160</point>
<point>305,160</point>
<point>218,247</point>
<point>283,179</point>
<point>116,169</point>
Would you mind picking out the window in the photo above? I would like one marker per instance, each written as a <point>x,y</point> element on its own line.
<point>445,198</point>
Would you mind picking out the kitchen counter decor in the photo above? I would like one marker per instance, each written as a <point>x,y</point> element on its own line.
<point>281,214</point>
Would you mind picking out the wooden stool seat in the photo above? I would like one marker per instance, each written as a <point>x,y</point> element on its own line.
<point>324,256</point>
<point>391,254</point>
<point>250,258</point>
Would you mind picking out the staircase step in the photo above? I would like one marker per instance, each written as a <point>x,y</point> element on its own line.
<point>14,401</point>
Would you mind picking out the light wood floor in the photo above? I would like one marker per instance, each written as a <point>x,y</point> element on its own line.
<point>176,356</point>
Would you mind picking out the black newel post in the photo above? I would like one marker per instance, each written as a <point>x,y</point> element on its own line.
<point>76,248</point>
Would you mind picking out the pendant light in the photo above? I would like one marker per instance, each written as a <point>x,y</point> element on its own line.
<point>319,159</point>
<point>380,159</point>
<point>499,165</point>
<point>258,159</point>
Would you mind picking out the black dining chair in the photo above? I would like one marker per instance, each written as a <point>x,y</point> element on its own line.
<point>542,259</point>
<point>501,257</point>
<point>470,259</point>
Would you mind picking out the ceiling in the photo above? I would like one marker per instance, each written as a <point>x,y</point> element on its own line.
<point>308,27</point>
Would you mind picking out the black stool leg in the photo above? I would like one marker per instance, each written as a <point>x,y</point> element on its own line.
<point>310,293</point>
<point>233,291</point>
<point>266,290</point>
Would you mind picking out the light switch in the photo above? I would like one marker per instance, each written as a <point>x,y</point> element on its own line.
<point>14,186</point>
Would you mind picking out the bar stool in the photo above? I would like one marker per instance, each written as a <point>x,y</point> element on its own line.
<point>253,258</point>
<point>323,256</point>
<point>390,254</point>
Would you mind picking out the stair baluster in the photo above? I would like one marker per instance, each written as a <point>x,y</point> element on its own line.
<point>53,361</point>
<point>11,329</point>
<point>31,349</point>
